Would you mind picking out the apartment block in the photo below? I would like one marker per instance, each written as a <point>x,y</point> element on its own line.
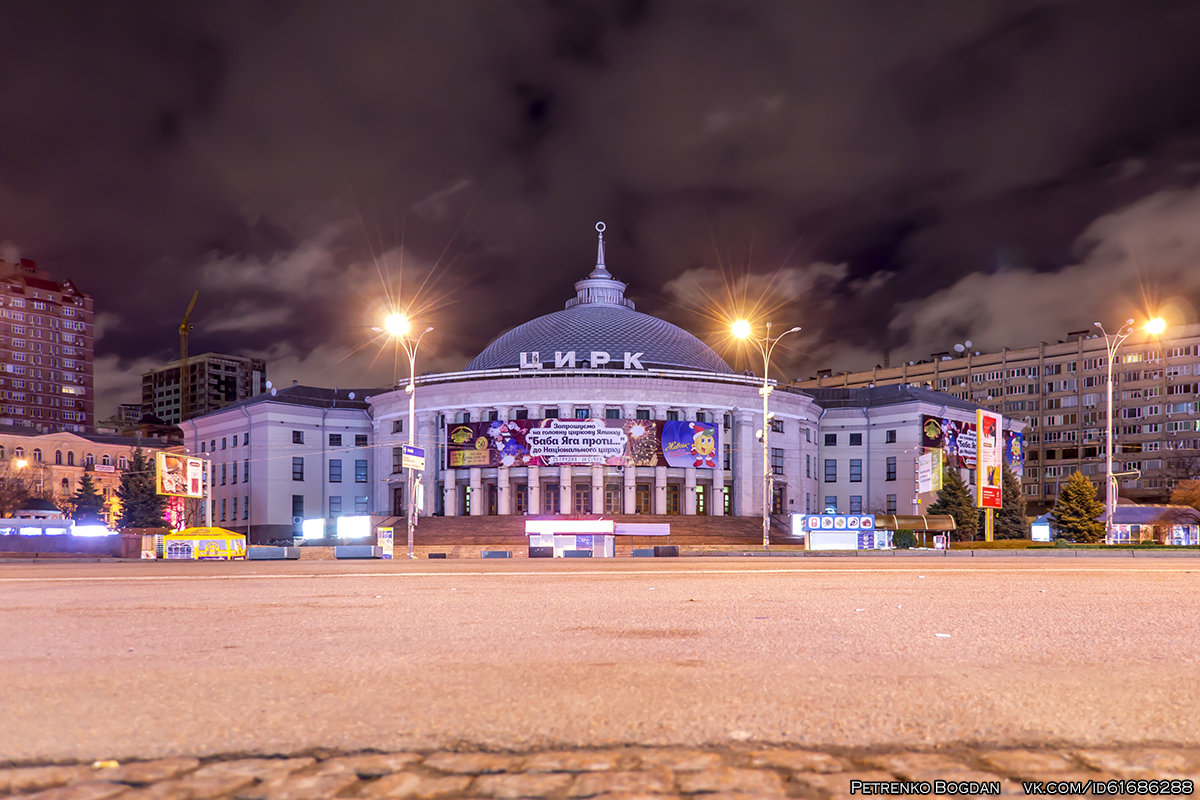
<point>1060,390</point>
<point>214,381</point>
<point>46,351</point>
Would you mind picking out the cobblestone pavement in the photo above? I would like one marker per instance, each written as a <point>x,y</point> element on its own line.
<point>631,772</point>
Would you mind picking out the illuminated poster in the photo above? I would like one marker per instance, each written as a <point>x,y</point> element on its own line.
<point>989,459</point>
<point>956,438</point>
<point>1014,452</point>
<point>179,475</point>
<point>612,442</point>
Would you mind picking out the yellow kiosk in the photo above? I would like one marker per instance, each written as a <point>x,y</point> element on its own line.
<point>204,544</point>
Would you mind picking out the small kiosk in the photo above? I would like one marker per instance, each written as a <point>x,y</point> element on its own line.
<point>204,544</point>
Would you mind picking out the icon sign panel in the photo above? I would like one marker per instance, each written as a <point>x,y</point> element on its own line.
<point>839,522</point>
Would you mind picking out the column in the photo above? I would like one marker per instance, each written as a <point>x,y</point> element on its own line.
<point>450,492</point>
<point>535,489</point>
<point>427,437</point>
<point>597,488</point>
<point>660,490</point>
<point>747,454</point>
<point>476,490</point>
<point>716,499</point>
<point>566,498</point>
<point>629,489</point>
<point>503,499</point>
<point>689,491</point>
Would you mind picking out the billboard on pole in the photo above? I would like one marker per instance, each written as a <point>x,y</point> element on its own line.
<point>989,457</point>
<point>179,476</point>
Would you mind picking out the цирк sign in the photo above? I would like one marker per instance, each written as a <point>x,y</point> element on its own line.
<point>567,360</point>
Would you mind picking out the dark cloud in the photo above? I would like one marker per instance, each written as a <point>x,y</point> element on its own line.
<point>842,163</point>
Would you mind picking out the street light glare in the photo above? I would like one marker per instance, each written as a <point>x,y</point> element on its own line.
<point>397,324</point>
<point>741,329</point>
<point>22,463</point>
<point>1156,326</point>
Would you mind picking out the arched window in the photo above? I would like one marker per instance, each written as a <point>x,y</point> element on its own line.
<point>66,484</point>
<point>70,458</point>
<point>123,463</point>
<point>19,452</point>
<point>89,460</point>
<point>58,457</point>
<point>1,451</point>
<point>106,460</point>
<point>37,455</point>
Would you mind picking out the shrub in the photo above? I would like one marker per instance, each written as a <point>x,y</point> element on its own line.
<point>903,539</point>
<point>1061,543</point>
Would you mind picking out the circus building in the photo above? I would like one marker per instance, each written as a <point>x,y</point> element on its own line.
<point>595,409</point>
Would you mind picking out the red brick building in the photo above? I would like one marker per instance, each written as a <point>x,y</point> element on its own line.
<point>46,351</point>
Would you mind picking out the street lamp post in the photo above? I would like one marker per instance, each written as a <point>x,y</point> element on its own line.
<point>765,345</point>
<point>398,327</point>
<point>1111,342</point>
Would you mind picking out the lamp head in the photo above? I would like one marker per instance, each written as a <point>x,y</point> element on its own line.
<point>741,329</point>
<point>1155,326</point>
<point>21,463</point>
<point>397,324</point>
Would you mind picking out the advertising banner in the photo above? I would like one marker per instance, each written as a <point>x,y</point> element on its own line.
<point>958,441</point>
<point>925,471</point>
<point>989,458</point>
<point>179,476</point>
<point>385,540</point>
<point>937,466</point>
<point>612,442</point>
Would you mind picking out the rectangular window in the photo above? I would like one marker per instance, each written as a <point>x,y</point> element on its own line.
<point>223,468</point>
<point>233,472</point>
<point>298,468</point>
<point>233,507</point>
<point>831,470</point>
<point>643,413</point>
<point>831,440</point>
<point>612,413</point>
<point>891,504</point>
<point>583,413</point>
<point>246,470</point>
<point>361,504</point>
<point>808,465</point>
<point>335,440</point>
<point>492,415</point>
<point>891,468</point>
<point>335,505</point>
<point>673,415</point>
<point>360,440</point>
<point>397,426</point>
<point>222,508</point>
<point>856,470</point>
<point>522,413</point>
<point>856,440</point>
<point>360,470</point>
<point>550,413</point>
<point>335,470</point>
<point>830,504</point>
<point>297,437</point>
<point>397,460</point>
<point>777,460</point>
<point>856,504</point>
<point>202,446</point>
<point>222,442</point>
<point>776,426</point>
<point>298,506</point>
<point>728,455</point>
<point>246,438</point>
<point>245,506</point>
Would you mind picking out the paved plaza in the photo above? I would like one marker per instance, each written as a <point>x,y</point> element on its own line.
<point>657,677</point>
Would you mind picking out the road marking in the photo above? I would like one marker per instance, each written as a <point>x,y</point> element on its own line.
<point>593,573</point>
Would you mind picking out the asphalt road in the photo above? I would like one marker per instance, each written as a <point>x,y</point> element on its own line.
<point>122,660</point>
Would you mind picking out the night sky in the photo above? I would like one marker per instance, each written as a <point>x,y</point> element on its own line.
<point>892,176</point>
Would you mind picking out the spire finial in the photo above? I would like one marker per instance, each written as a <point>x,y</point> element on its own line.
<point>600,271</point>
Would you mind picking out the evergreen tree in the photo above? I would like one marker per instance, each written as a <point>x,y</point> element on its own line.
<point>955,499</point>
<point>1076,512</point>
<point>141,505</point>
<point>87,500</point>
<point>1010,518</point>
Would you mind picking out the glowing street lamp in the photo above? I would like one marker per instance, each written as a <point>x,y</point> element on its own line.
<point>766,345</point>
<point>398,326</point>
<point>1154,327</point>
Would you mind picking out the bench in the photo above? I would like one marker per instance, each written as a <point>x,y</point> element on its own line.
<point>643,552</point>
<point>495,554</point>
<point>273,553</point>
<point>357,551</point>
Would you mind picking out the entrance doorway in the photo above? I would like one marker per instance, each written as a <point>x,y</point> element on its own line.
<point>583,498</point>
<point>641,498</point>
<point>521,498</point>
<point>612,498</point>
<point>550,502</point>
<point>672,498</point>
<point>701,500</point>
<point>493,495</point>
<point>398,501</point>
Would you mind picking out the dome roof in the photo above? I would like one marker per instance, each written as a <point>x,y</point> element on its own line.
<point>600,319</point>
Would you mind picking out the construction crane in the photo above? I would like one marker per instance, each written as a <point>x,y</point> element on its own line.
<point>184,372</point>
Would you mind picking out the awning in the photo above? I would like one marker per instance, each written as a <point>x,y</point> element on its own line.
<point>919,522</point>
